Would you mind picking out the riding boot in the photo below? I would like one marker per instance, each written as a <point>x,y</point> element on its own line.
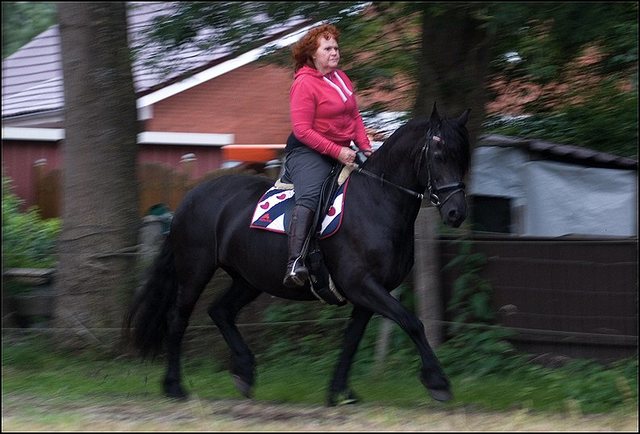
<point>297,273</point>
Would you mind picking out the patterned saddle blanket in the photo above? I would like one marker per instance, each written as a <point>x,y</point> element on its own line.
<point>273,211</point>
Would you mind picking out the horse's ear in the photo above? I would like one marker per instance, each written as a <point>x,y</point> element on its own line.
<point>464,117</point>
<point>435,116</point>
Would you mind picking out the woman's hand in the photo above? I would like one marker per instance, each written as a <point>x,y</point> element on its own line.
<point>347,156</point>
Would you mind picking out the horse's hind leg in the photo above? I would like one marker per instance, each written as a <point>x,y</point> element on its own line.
<point>339,392</point>
<point>198,274</point>
<point>224,312</point>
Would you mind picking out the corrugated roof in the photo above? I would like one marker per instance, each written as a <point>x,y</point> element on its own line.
<point>560,152</point>
<point>32,76</point>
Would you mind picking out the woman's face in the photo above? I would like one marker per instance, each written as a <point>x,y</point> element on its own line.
<point>327,55</point>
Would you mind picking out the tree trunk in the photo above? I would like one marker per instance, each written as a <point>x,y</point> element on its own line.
<point>453,74</point>
<point>454,65</point>
<point>426,275</point>
<point>96,268</point>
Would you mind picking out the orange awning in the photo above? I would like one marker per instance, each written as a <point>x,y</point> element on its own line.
<point>251,153</point>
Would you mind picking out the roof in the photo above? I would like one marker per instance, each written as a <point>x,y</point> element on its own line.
<point>32,77</point>
<point>560,152</point>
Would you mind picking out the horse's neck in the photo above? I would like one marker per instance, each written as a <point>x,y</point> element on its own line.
<point>399,171</point>
<point>402,205</point>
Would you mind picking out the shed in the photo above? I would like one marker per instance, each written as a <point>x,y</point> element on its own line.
<point>538,188</point>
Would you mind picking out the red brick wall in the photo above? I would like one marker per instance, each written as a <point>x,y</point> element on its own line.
<point>251,102</point>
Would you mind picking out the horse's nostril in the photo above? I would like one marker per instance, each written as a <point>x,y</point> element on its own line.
<point>453,214</point>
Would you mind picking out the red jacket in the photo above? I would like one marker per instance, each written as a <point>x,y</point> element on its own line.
<point>324,112</point>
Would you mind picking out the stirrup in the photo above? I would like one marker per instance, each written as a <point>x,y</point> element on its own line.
<point>295,278</point>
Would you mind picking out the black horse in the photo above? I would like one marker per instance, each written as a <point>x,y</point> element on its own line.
<point>369,256</point>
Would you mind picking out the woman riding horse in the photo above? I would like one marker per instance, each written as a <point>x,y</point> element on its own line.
<point>210,230</point>
<point>325,120</point>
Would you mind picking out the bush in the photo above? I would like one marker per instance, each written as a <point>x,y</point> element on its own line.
<point>607,122</point>
<point>28,240</point>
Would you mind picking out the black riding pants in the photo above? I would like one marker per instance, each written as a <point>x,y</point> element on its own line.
<point>306,169</point>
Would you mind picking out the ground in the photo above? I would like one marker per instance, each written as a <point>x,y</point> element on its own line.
<point>22,412</point>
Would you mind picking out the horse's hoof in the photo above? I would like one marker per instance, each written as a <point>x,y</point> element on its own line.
<point>243,387</point>
<point>173,389</point>
<point>437,385</point>
<point>441,395</point>
<point>176,393</point>
<point>342,398</point>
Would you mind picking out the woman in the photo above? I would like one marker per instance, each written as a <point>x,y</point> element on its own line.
<point>325,120</point>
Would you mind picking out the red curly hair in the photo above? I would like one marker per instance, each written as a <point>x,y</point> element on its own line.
<point>303,50</point>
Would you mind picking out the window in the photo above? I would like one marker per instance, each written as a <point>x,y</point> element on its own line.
<point>491,214</point>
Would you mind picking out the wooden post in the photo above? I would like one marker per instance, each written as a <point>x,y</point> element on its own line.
<point>187,161</point>
<point>186,180</point>
<point>382,343</point>
<point>426,274</point>
<point>39,167</point>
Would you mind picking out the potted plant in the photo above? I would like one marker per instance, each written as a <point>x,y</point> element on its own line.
<point>28,261</point>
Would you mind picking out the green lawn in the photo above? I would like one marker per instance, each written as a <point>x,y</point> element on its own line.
<point>33,368</point>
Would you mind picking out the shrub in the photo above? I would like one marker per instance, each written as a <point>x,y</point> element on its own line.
<point>607,121</point>
<point>28,240</point>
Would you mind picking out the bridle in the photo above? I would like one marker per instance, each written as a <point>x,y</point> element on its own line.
<point>435,192</point>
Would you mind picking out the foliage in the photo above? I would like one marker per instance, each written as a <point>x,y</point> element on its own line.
<point>313,333</point>
<point>471,299</point>
<point>37,368</point>
<point>607,121</point>
<point>475,345</point>
<point>21,21</point>
<point>28,241</point>
<point>607,386</point>
<point>545,40</point>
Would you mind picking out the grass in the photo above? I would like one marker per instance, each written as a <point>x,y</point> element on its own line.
<point>33,368</point>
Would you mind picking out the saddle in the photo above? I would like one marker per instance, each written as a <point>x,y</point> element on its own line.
<point>272,213</point>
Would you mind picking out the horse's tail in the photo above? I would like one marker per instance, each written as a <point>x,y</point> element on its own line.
<point>147,321</point>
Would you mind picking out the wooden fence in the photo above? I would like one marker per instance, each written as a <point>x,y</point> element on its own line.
<point>157,183</point>
<point>572,297</point>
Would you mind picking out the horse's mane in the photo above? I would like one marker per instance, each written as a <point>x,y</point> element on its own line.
<point>409,138</point>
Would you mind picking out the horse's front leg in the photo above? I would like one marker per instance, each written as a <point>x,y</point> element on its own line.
<point>339,391</point>
<point>377,299</point>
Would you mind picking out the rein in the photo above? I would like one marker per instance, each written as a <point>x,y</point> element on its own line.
<point>434,192</point>
<point>415,194</point>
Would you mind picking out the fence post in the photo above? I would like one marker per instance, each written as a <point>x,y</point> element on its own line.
<point>186,180</point>
<point>426,274</point>
<point>187,162</point>
<point>39,167</point>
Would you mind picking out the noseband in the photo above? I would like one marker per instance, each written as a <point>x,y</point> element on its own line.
<point>435,192</point>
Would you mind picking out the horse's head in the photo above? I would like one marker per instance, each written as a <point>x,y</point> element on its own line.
<point>447,155</point>
<point>427,156</point>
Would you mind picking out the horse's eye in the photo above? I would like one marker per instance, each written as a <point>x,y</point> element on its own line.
<point>438,156</point>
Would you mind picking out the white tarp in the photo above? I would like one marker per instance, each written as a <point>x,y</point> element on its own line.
<point>495,172</point>
<point>570,199</point>
<point>558,198</point>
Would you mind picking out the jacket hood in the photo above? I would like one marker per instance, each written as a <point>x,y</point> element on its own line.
<point>307,70</point>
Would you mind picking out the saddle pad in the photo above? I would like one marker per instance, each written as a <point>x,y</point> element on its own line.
<point>273,211</point>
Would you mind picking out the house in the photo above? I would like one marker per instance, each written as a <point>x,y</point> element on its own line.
<point>537,188</point>
<point>213,102</point>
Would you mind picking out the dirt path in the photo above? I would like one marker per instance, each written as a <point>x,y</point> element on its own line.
<point>27,413</point>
